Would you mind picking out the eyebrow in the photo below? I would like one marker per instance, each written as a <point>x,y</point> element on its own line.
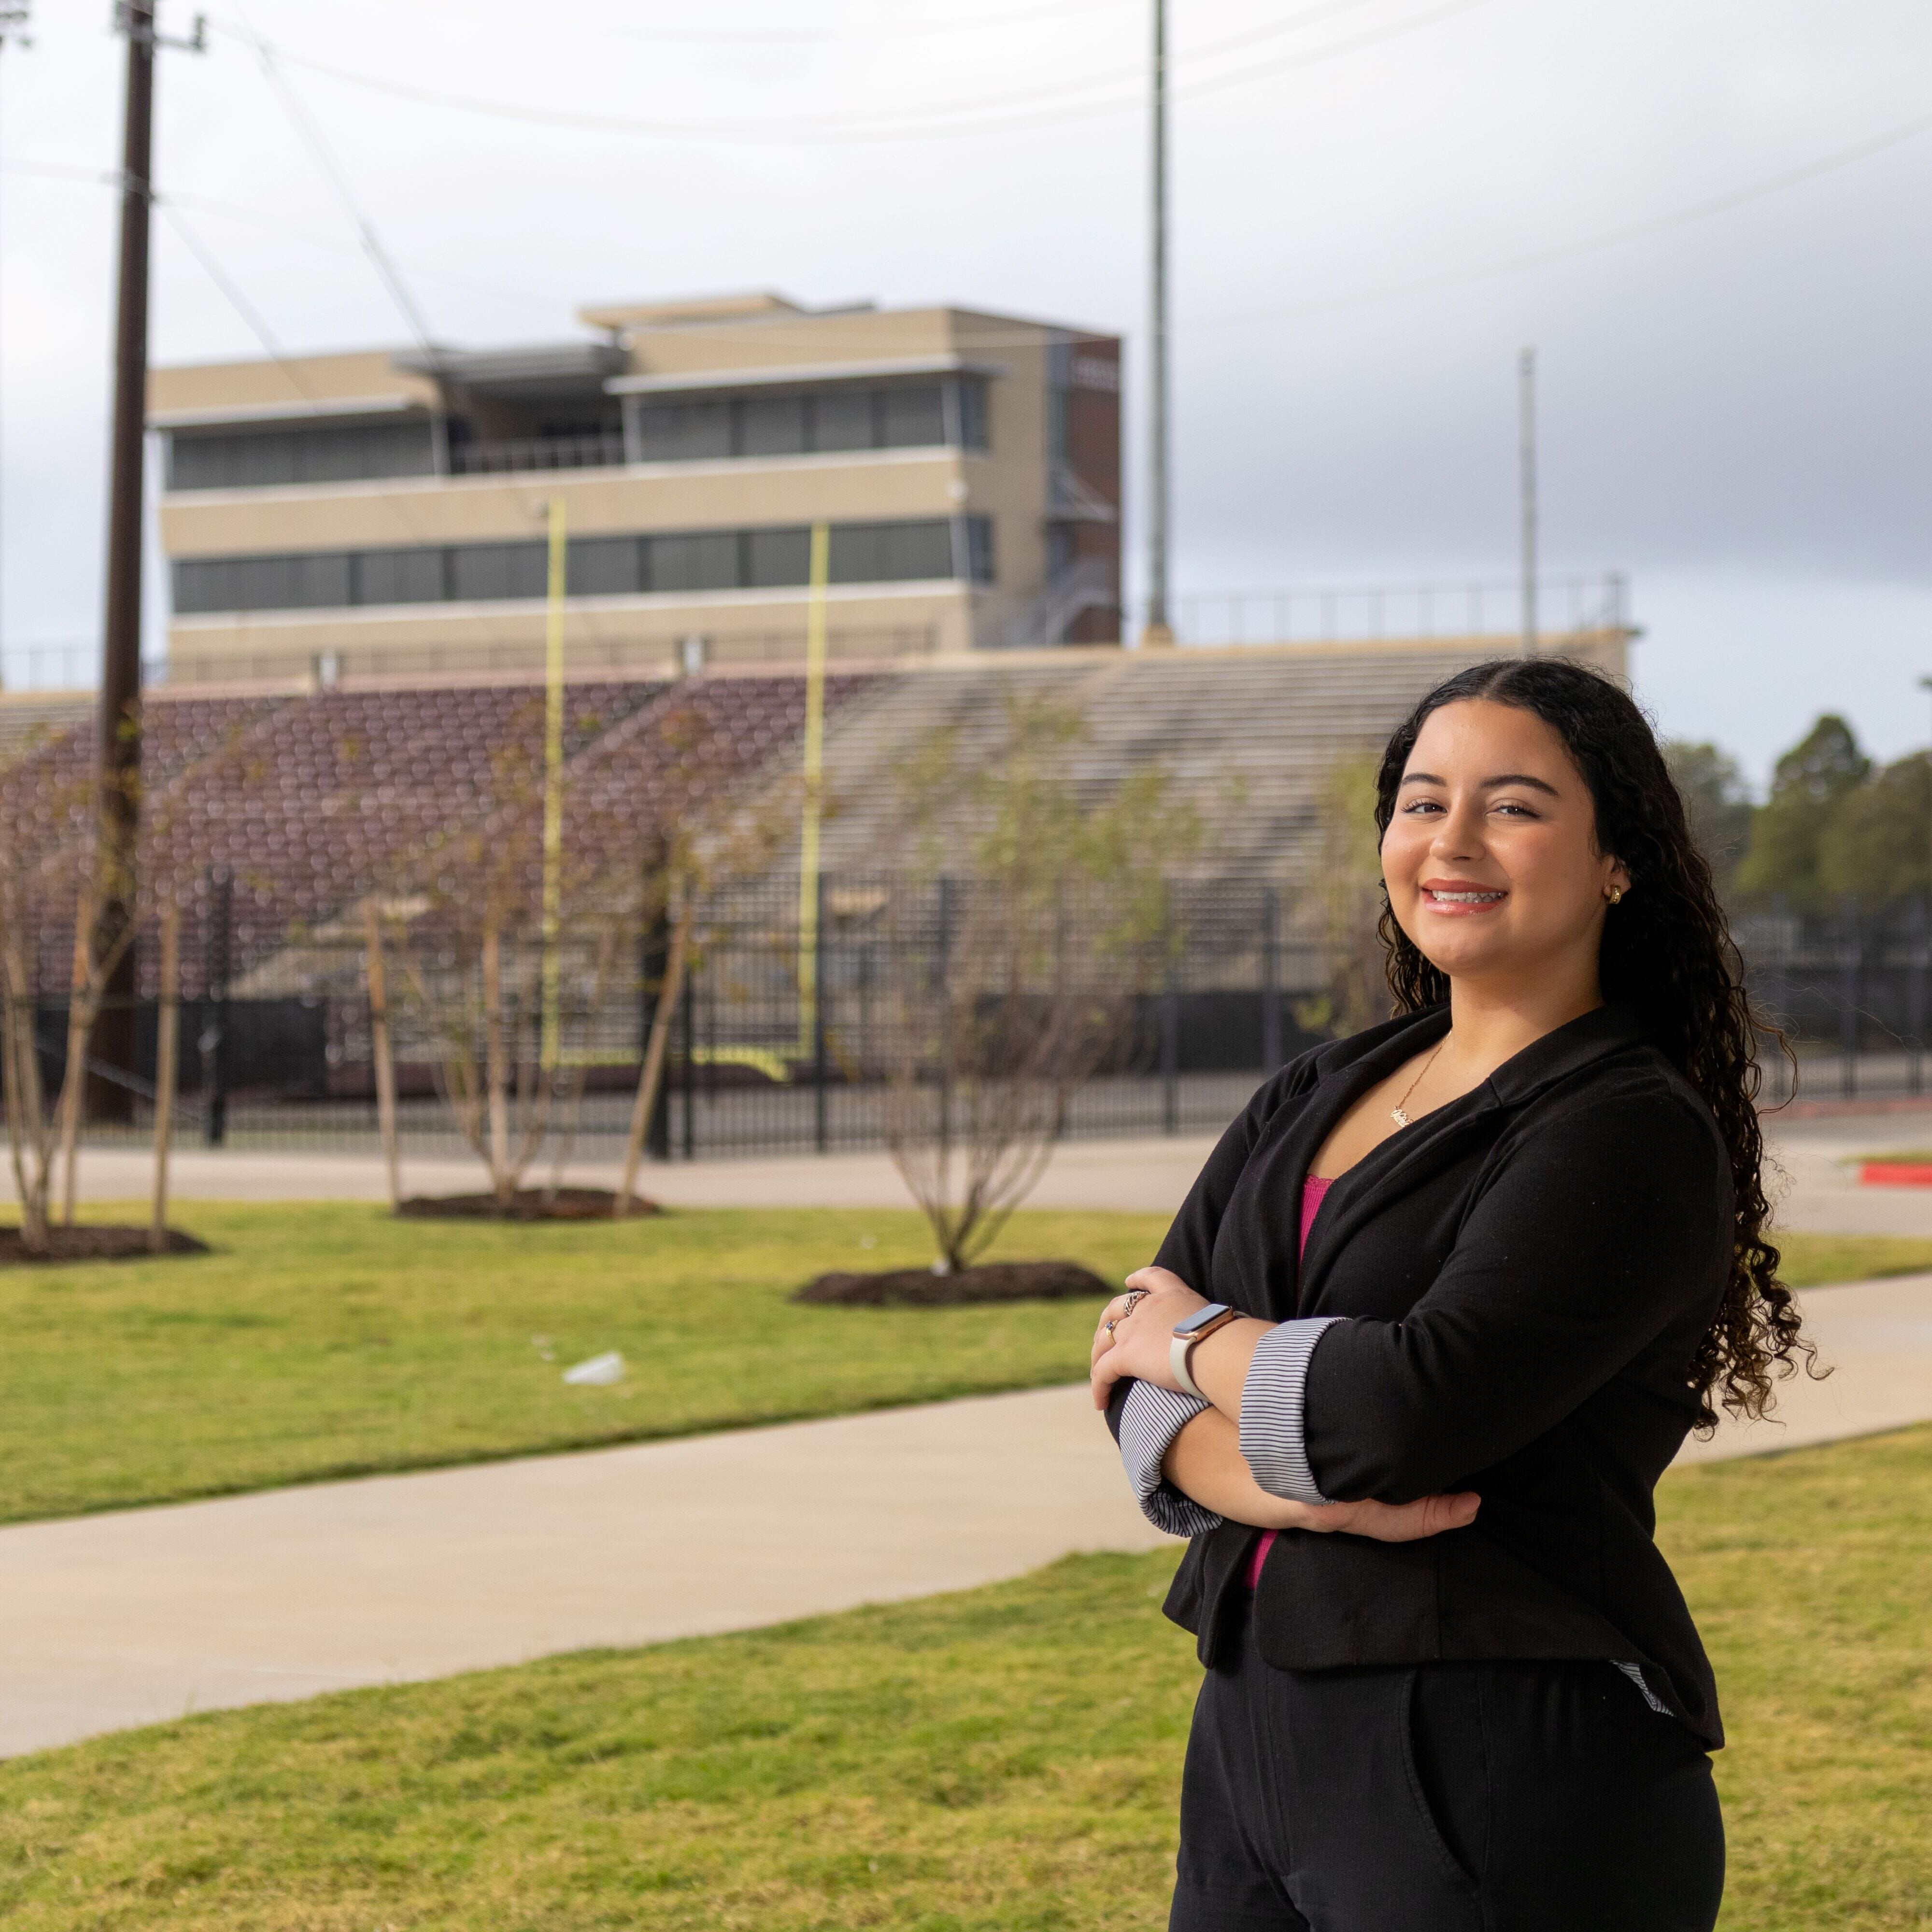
<point>1488,785</point>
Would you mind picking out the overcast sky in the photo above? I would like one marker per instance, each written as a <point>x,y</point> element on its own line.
<point>1377,204</point>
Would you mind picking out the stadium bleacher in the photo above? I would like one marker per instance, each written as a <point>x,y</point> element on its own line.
<point>310,800</point>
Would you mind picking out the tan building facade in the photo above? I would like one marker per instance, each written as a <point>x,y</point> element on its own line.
<point>373,512</point>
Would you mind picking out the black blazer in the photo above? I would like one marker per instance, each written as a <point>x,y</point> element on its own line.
<point>1528,1270</point>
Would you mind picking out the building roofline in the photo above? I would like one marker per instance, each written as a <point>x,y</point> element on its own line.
<point>281,411</point>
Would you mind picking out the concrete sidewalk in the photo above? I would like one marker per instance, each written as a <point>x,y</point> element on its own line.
<point>1815,1185</point>
<point>1152,1174</point>
<point>118,1620</point>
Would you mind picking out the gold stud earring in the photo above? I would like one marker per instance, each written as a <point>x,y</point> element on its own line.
<point>1615,895</point>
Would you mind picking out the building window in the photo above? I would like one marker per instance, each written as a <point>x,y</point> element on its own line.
<point>913,417</point>
<point>771,426</point>
<point>603,566</point>
<point>843,419</point>
<point>972,412</point>
<point>499,572</point>
<point>909,550</point>
<point>699,560</point>
<point>317,579</point>
<point>255,459</point>
<point>979,549</point>
<point>684,432</point>
<point>775,558</point>
<point>891,553</point>
<point>401,576</point>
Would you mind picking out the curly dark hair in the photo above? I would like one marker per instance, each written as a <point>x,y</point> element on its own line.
<point>1668,951</point>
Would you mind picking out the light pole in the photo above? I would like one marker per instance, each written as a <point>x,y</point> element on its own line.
<point>1526,485</point>
<point>1159,630</point>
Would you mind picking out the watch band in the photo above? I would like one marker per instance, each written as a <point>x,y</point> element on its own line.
<point>1183,1345</point>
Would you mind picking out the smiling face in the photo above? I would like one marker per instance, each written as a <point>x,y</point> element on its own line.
<point>1491,857</point>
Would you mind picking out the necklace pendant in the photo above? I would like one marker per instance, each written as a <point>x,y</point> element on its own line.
<point>1398,1117</point>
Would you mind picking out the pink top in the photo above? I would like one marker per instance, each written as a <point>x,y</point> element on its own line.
<point>1313,1187</point>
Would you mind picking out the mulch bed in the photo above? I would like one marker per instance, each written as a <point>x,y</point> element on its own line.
<point>529,1204</point>
<point>993,1281</point>
<point>94,1242</point>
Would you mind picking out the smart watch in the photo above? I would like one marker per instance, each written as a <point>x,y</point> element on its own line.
<point>1197,1327</point>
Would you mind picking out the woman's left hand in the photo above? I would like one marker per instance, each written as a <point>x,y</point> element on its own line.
<point>1136,1330</point>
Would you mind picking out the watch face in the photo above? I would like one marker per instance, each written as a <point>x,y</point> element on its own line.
<point>1201,1318</point>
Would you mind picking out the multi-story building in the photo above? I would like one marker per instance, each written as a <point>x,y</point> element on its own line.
<point>376,512</point>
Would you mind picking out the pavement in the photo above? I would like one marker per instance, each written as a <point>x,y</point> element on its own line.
<point>1815,1182</point>
<point>1153,1174</point>
<point>130,1617</point>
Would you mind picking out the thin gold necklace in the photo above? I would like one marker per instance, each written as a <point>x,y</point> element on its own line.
<point>1396,1113</point>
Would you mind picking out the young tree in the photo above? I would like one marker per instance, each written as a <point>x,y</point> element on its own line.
<point>1022,977</point>
<point>1343,891</point>
<point>648,821</point>
<point>55,860</point>
<point>51,860</point>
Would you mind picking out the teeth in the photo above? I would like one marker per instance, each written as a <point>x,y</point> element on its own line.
<point>1466,898</point>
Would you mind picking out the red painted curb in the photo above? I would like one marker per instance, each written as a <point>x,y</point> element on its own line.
<point>1895,1174</point>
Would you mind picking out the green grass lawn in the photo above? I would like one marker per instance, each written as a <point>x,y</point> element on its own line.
<point>328,1339</point>
<point>1003,1760</point>
<point>325,1339</point>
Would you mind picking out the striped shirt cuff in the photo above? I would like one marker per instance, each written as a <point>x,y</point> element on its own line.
<point>1273,1436</point>
<point>1150,1418</point>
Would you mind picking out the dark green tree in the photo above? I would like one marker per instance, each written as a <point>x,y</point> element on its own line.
<point>1876,845</point>
<point>1717,801</point>
<point>1810,780</point>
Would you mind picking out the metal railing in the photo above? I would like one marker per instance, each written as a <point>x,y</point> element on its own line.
<point>596,449</point>
<point>62,665</point>
<point>277,1053</point>
<point>1351,613</point>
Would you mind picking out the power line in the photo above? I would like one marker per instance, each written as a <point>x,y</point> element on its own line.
<point>767,37</point>
<point>1610,237</point>
<point>1896,135</point>
<point>925,124</point>
<point>372,244</point>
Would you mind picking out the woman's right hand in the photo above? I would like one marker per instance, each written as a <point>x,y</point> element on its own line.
<point>1392,1523</point>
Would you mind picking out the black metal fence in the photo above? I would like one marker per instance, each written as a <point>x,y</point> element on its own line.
<point>276,1049</point>
<point>277,1053</point>
<point>1853,995</point>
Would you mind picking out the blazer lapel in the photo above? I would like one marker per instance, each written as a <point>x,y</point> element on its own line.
<point>1338,1089</point>
<point>1411,1155</point>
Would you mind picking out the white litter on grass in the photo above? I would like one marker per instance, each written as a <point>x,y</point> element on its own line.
<point>599,1372</point>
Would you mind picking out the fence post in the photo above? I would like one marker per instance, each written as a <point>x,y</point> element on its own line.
<point>1915,995</point>
<point>821,989</point>
<point>653,954</point>
<point>1849,962</point>
<point>1170,1034</point>
<point>687,1015</point>
<point>1270,979</point>
<point>217,942</point>
<point>942,964</point>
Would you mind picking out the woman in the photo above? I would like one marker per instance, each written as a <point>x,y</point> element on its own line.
<point>1440,1310</point>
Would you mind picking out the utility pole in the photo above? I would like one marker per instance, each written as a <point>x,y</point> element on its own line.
<point>1526,458</point>
<point>119,726</point>
<point>1158,630</point>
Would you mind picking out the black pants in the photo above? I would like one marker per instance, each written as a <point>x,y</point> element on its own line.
<point>1444,1797</point>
